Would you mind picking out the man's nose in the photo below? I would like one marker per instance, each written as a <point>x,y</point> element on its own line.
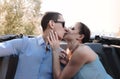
<point>66,29</point>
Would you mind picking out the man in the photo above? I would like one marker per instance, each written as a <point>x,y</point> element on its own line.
<point>35,54</point>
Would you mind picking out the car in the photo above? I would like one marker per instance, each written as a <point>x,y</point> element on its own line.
<point>107,48</point>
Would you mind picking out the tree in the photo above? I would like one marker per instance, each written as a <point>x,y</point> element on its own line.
<point>20,16</point>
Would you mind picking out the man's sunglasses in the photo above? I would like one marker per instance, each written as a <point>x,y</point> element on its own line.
<point>62,22</point>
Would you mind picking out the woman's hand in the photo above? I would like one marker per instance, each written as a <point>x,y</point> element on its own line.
<point>63,57</point>
<point>55,45</point>
<point>53,40</point>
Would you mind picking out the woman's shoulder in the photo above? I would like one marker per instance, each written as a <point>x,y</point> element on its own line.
<point>83,49</point>
<point>80,53</point>
<point>86,52</point>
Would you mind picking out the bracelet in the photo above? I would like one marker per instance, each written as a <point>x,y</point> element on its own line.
<point>58,49</point>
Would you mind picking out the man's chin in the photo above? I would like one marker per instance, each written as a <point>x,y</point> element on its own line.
<point>64,36</point>
<point>60,38</point>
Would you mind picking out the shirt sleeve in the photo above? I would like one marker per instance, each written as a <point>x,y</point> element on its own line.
<point>13,46</point>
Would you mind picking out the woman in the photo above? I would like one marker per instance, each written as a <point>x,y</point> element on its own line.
<point>84,62</point>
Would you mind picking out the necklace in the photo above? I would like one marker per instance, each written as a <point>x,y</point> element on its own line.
<point>75,48</point>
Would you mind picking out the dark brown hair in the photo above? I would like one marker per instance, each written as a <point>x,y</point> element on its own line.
<point>86,31</point>
<point>47,17</point>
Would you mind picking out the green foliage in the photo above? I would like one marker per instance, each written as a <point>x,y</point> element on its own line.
<point>29,27</point>
<point>19,16</point>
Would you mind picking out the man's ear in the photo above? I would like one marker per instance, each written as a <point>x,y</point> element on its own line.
<point>51,24</point>
<point>81,36</point>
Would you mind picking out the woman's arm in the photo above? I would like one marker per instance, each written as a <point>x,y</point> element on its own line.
<point>76,62</point>
<point>73,66</point>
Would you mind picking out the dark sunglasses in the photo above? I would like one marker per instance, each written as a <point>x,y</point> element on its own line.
<point>62,22</point>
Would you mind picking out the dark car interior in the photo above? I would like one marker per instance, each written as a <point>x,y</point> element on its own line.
<point>107,48</point>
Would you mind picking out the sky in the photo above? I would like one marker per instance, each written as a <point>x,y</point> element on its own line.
<point>101,16</point>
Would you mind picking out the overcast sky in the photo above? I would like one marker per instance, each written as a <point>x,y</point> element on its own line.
<point>99,15</point>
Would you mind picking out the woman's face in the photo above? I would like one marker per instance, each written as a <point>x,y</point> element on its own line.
<point>72,33</point>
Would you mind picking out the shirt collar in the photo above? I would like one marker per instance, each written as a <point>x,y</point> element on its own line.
<point>40,40</point>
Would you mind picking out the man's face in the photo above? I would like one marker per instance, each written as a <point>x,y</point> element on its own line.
<point>60,27</point>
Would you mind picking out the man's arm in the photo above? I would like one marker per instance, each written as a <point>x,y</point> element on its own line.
<point>11,47</point>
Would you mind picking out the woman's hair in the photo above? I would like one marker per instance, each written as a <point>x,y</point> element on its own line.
<point>47,17</point>
<point>86,31</point>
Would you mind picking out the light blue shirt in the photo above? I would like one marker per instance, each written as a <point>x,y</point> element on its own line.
<point>34,61</point>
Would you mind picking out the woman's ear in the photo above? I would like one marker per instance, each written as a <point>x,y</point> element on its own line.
<point>51,24</point>
<point>81,36</point>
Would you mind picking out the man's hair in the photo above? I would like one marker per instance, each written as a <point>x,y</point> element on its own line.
<point>47,17</point>
<point>86,31</point>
